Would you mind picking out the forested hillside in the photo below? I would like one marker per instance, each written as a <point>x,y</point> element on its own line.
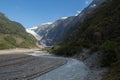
<point>13,35</point>
<point>100,31</point>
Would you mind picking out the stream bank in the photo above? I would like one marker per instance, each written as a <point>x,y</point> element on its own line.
<point>92,61</point>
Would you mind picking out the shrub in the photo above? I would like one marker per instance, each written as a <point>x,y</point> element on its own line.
<point>109,50</point>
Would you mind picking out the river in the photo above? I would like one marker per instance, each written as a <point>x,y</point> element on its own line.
<point>72,70</point>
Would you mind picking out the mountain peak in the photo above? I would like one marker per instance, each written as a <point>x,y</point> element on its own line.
<point>48,23</point>
<point>64,17</point>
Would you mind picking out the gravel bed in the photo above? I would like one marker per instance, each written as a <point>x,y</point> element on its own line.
<point>24,67</point>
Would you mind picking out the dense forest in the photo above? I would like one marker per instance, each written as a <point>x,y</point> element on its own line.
<point>100,31</point>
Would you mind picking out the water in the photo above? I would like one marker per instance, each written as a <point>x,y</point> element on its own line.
<point>38,53</point>
<point>73,70</point>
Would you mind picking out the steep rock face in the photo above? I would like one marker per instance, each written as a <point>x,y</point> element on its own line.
<point>88,10</point>
<point>56,32</point>
<point>32,31</point>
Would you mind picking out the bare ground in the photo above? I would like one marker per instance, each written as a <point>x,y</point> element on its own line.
<point>93,62</point>
<point>17,51</point>
<point>15,65</point>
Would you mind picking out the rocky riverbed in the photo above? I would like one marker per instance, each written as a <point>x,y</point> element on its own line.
<point>73,70</point>
<point>40,65</point>
<point>24,66</point>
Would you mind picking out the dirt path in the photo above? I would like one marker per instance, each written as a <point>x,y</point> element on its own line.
<point>22,66</point>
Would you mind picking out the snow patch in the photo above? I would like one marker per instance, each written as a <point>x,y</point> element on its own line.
<point>33,33</point>
<point>47,23</point>
<point>33,28</point>
<point>64,17</point>
<point>78,12</point>
<point>94,5</point>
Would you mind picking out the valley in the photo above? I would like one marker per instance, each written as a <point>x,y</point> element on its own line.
<point>85,46</point>
<point>40,65</point>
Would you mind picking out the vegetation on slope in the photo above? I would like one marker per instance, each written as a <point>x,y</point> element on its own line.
<point>99,31</point>
<point>13,35</point>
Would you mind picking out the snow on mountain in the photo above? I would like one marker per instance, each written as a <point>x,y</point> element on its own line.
<point>52,33</point>
<point>94,5</point>
<point>31,31</point>
<point>33,28</point>
<point>55,32</point>
<point>47,23</point>
<point>64,17</point>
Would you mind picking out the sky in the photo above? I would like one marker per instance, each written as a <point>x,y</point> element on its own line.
<point>36,12</point>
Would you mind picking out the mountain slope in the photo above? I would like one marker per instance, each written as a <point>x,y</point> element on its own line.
<point>13,35</point>
<point>55,32</point>
<point>100,31</point>
<point>32,31</point>
<point>58,31</point>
